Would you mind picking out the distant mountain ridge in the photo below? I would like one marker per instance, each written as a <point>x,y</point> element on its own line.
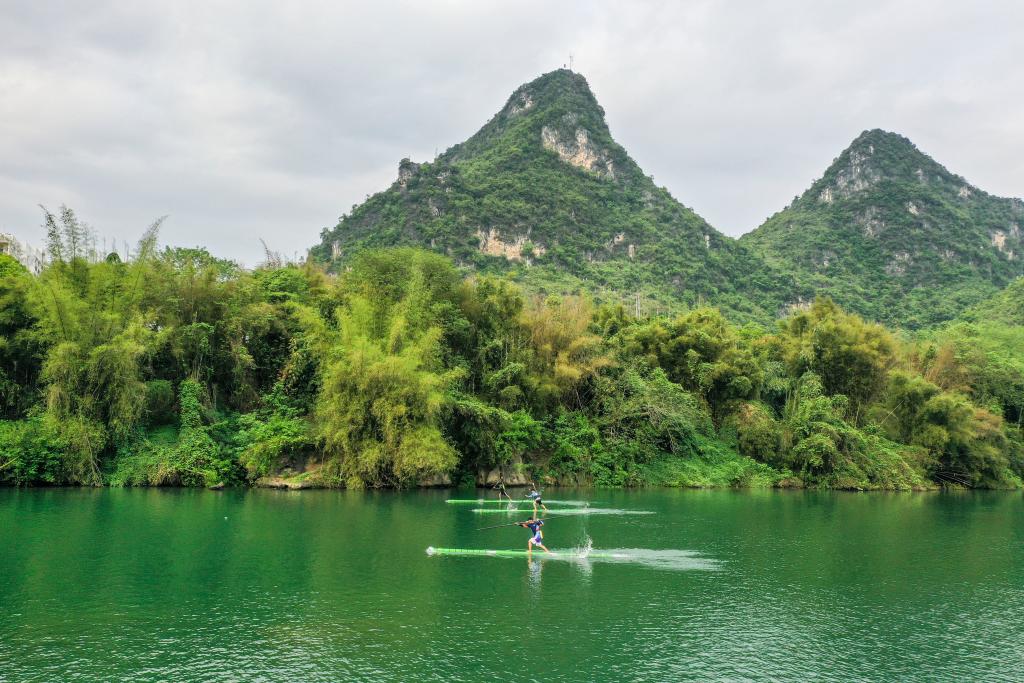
<point>890,233</point>
<point>544,193</point>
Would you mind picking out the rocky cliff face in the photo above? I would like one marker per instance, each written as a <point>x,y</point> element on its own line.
<point>892,234</point>
<point>578,151</point>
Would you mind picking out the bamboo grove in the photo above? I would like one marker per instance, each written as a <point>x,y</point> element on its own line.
<point>175,367</point>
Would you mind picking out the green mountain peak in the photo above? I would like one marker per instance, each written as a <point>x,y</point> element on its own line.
<point>556,112</point>
<point>542,191</point>
<point>892,234</point>
<point>874,157</point>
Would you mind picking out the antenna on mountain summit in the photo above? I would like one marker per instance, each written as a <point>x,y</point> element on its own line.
<point>570,61</point>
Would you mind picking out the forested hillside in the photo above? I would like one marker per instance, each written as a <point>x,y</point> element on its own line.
<point>543,194</point>
<point>179,368</point>
<point>894,236</point>
<point>1006,307</point>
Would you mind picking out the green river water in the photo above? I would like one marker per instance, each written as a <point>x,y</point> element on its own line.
<point>140,585</point>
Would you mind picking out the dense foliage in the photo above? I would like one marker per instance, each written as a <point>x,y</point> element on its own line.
<point>179,368</point>
<point>1005,307</point>
<point>892,235</point>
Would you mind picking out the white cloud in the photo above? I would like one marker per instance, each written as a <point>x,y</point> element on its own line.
<point>244,119</point>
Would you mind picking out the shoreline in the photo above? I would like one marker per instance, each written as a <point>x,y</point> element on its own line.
<point>305,486</point>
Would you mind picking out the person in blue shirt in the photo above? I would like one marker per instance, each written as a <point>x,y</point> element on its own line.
<point>537,539</point>
<point>534,495</point>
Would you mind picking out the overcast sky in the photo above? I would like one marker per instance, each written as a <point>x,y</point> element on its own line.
<point>241,119</point>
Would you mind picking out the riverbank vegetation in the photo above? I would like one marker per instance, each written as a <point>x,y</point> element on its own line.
<point>178,368</point>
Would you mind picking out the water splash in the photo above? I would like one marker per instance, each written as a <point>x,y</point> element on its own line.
<point>672,560</point>
<point>566,512</point>
<point>586,555</point>
<point>656,559</point>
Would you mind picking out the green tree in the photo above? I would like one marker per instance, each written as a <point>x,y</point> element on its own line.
<point>702,352</point>
<point>22,348</point>
<point>384,385</point>
<point>850,356</point>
